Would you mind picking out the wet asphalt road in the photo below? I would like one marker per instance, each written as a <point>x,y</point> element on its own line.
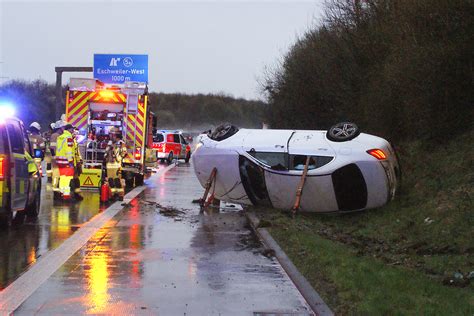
<point>157,256</point>
<point>22,245</point>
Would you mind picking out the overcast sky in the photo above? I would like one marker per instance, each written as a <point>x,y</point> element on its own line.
<point>193,46</point>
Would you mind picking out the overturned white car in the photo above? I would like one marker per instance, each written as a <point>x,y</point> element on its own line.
<point>345,171</point>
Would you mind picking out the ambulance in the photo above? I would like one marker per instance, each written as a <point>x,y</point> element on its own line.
<point>105,114</point>
<point>20,181</point>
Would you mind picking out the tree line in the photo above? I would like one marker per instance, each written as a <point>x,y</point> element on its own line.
<point>401,69</point>
<point>36,100</point>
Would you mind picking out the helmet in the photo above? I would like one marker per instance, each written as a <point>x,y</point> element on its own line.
<point>36,125</point>
<point>63,117</point>
<point>109,143</point>
<point>52,125</point>
<point>59,124</point>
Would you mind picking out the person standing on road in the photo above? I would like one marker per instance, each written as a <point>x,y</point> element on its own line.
<point>37,142</point>
<point>67,159</point>
<point>58,130</point>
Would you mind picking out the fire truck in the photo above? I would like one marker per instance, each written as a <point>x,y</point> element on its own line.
<point>105,114</point>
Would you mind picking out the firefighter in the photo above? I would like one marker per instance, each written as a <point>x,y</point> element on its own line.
<point>53,142</point>
<point>67,160</point>
<point>77,163</point>
<point>37,142</point>
<point>113,167</point>
<point>48,154</point>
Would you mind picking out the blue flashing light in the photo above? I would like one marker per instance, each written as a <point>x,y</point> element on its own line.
<point>6,110</point>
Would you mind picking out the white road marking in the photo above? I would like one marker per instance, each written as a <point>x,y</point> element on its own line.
<point>16,293</point>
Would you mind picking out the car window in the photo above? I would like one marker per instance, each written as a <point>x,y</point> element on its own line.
<point>275,160</point>
<point>158,138</point>
<point>183,141</point>
<point>297,162</point>
<point>176,138</point>
<point>169,138</point>
<point>16,140</point>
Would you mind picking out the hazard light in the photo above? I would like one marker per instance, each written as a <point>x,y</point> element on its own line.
<point>377,153</point>
<point>3,167</point>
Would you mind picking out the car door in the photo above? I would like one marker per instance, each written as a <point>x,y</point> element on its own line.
<point>19,175</point>
<point>183,146</point>
<point>177,145</point>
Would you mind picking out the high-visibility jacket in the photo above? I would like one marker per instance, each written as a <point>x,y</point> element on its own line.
<point>37,141</point>
<point>76,152</point>
<point>65,154</point>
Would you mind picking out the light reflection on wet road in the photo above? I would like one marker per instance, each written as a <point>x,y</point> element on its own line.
<point>160,256</point>
<point>21,246</point>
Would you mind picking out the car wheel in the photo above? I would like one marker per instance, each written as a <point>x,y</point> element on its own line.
<point>6,217</point>
<point>342,132</point>
<point>33,209</point>
<point>223,131</point>
<point>139,179</point>
<point>188,156</point>
<point>170,158</point>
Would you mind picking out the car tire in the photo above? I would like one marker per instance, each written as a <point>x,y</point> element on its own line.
<point>6,217</point>
<point>342,132</point>
<point>223,131</point>
<point>188,156</point>
<point>170,158</point>
<point>139,179</point>
<point>129,183</point>
<point>33,209</point>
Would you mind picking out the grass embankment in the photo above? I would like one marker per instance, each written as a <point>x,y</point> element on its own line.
<point>399,259</point>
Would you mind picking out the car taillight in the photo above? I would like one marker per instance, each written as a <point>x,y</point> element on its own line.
<point>3,167</point>
<point>138,154</point>
<point>377,153</point>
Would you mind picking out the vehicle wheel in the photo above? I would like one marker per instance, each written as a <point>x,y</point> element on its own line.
<point>188,156</point>
<point>7,217</point>
<point>139,179</point>
<point>129,183</point>
<point>33,209</point>
<point>223,131</point>
<point>170,158</point>
<point>342,132</point>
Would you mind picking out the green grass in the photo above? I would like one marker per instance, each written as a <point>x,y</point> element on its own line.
<point>397,259</point>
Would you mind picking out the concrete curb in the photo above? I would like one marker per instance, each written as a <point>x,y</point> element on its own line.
<point>310,295</point>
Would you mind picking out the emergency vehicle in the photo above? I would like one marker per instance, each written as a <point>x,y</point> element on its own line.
<point>20,181</point>
<point>103,113</point>
<point>171,145</point>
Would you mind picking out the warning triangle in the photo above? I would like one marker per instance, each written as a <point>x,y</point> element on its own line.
<point>88,181</point>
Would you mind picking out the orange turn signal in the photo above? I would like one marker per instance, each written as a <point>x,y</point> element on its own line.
<point>377,153</point>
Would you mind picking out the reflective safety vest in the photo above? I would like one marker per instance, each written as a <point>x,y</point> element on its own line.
<point>76,152</point>
<point>65,150</point>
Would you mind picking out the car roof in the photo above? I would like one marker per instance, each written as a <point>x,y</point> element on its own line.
<point>166,131</point>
